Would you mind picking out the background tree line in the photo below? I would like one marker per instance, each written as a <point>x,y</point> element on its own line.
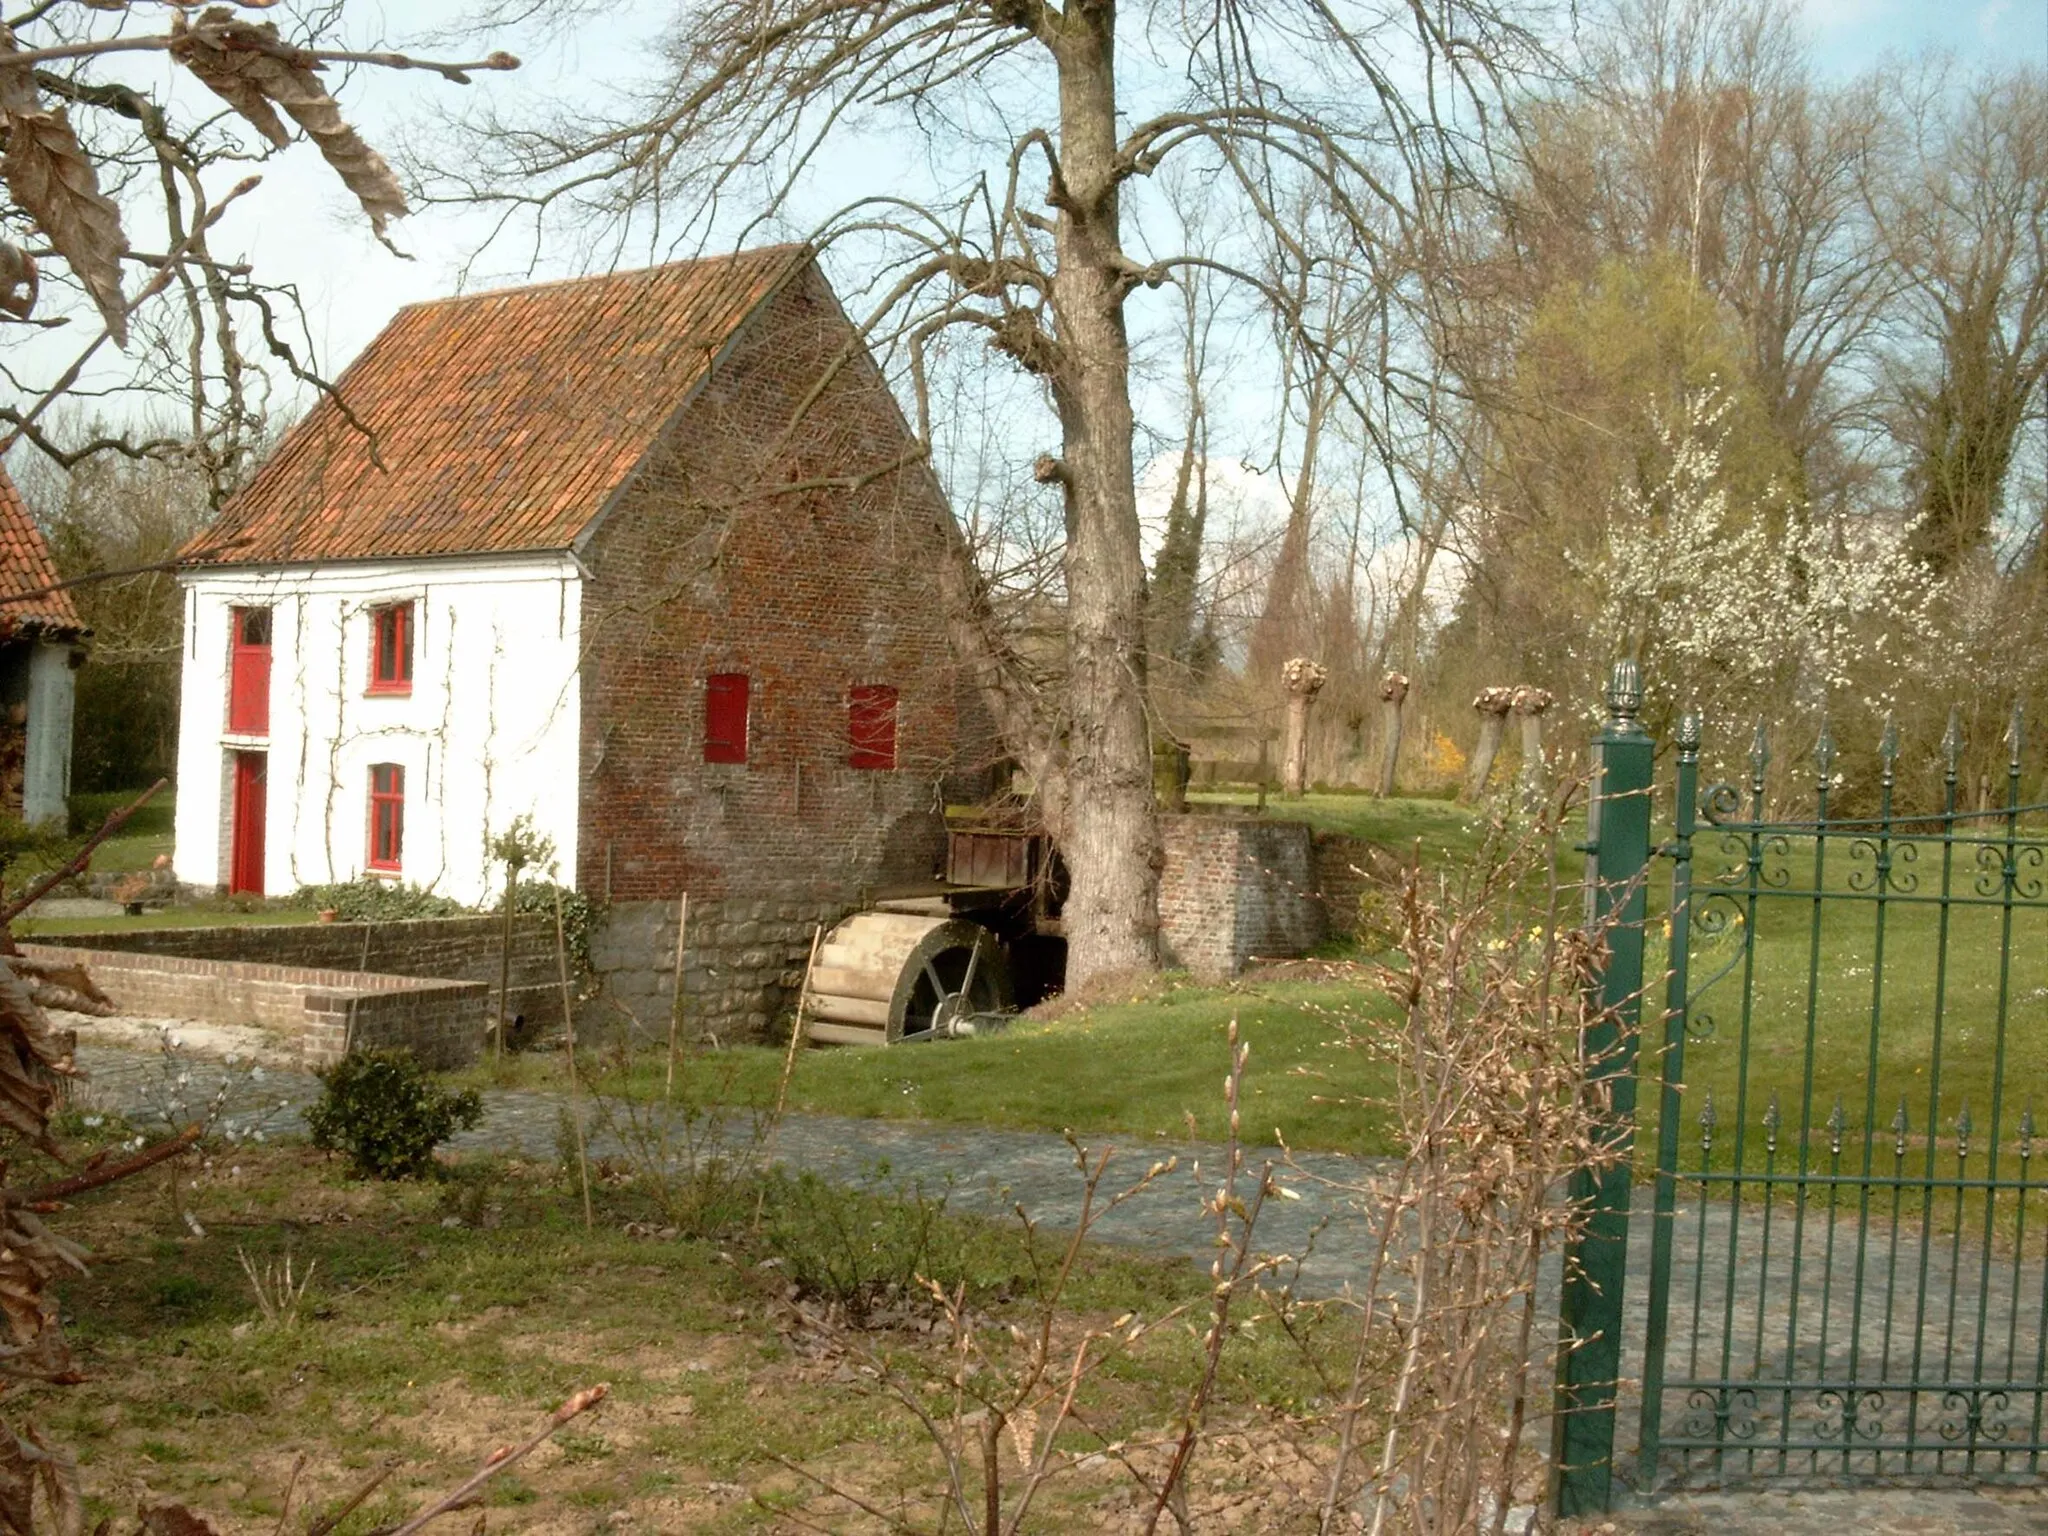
<point>1731,368</point>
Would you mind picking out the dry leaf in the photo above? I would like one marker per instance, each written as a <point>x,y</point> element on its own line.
<point>67,986</point>
<point>17,280</point>
<point>32,1057</point>
<point>54,182</point>
<point>27,1462</point>
<point>31,1257</point>
<point>219,71</point>
<point>249,67</point>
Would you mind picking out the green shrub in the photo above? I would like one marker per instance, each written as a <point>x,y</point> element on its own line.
<point>370,900</point>
<point>579,913</point>
<point>860,1249</point>
<point>383,1110</point>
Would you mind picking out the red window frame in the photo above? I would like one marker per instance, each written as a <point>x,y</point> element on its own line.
<point>249,672</point>
<point>726,697</point>
<point>391,636</point>
<point>387,816</point>
<point>871,726</point>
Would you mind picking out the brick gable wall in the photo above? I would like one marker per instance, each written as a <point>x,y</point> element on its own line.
<point>809,593</point>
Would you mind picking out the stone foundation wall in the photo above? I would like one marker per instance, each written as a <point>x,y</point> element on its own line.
<point>440,948</point>
<point>1234,889</point>
<point>743,964</point>
<point>325,1012</point>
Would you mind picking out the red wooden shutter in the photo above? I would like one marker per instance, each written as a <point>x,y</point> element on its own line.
<point>387,815</point>
<point>249,673</point>
<point>871,726</point>
<point>725,717</point>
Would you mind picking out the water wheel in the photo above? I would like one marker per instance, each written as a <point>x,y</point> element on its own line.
<point>882,977</point>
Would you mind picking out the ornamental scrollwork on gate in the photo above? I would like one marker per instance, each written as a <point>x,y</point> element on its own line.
<point>1975,1415</point>
<point>1752,860</point>
<point>1849,1414</point>
<point>2004,870</point>
<point>1720,1414</point>
<point>1720,803</point>
<point>1716,916</point>
<point>1881,865</point>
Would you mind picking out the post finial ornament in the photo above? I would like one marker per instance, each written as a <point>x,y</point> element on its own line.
<point>1625,699</point>
<point>1691,726</point>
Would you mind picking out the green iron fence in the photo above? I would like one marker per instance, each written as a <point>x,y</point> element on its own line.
<point>1845,1256</point>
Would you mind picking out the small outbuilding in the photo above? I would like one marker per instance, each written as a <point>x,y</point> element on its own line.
<point>42,643</point>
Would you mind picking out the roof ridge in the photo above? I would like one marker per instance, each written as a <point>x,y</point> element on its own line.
<point>752,252</point>
<point>496,426</point>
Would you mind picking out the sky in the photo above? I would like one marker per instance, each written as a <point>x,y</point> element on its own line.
<point>302,224</point>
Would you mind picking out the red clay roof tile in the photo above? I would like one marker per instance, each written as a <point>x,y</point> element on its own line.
<point>26,566</point>
<point>499,421</point>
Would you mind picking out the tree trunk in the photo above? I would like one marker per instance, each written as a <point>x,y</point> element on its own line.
<point>1493,705</point>
<point>1393,695</point>
<point>1111,837</point>
<point>1491,729</point>
<point>1530,703</point>
<point>1304,680</point>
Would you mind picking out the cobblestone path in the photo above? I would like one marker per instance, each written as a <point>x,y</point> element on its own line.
<point>993,1171</point>
<point>987,1171</point>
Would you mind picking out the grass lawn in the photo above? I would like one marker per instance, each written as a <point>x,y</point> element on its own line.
<point>1445,831</point>
<point>442,1320</point>
<point>146,834</point>
<point>1148,1067</point>
<point>201,914</point>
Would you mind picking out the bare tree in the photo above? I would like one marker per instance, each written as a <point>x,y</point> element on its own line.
<point>77,190</point>
<point>1962,203</point>
<point>1029,249</point>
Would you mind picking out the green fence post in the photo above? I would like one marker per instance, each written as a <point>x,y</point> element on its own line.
<point>1677,997</point>
<point>1618,844</point>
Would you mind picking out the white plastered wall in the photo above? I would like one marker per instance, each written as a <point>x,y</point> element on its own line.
<point>46,778</point>
<point>489,731</point>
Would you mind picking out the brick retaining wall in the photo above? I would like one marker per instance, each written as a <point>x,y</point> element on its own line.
<point>437,948</point>
<point>1348,870</point>
<point>1236,888</point>
<point>326,1012</point>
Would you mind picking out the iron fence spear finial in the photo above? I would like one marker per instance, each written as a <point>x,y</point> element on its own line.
<point>1952,743</point>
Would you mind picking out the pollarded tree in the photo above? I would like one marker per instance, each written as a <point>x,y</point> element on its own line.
<point>1034,120</point>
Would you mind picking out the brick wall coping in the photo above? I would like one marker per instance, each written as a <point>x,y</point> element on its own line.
<point>365,983</point>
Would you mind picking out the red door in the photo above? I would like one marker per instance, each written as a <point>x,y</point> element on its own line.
<point>245,861</point>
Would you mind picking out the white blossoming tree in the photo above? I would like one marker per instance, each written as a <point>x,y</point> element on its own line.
<point>1747,607</point>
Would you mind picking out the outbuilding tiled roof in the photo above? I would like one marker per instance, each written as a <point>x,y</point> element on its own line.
<point>26,567</point>
<point>497,422</point>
